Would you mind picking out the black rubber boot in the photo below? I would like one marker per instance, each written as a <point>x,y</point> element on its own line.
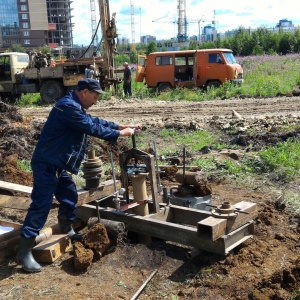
<point>25,257</point>
<point>66,228</point>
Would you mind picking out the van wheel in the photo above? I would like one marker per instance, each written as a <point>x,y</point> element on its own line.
<point>213,83</point>
<point>163,87</point>
<point>51,91</point>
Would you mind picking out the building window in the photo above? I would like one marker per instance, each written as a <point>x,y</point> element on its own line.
<point>25,25</point>
<point>27,42</point>
<point>24,16</point>
<point>26,33</point>
<point>23,7</point>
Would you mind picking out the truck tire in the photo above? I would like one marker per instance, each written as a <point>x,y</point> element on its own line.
<point>163,87</point>
<point>51,91</point>
<point>213,83</point>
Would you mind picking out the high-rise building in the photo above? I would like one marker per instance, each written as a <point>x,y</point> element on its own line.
<point>35,23</point>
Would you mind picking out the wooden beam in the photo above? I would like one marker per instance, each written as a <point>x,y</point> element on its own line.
<point>8,235</point>
<point>15,187</point>
<point>14,202</point>
<point>104,189</point>
<point>9,241</point>
<point>84,196</point>
<point>52,248</point>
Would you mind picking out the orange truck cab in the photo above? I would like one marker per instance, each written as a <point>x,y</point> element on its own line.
<point>189,68</point>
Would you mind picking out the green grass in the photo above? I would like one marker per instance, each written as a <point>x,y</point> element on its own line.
<point>263,77</point>
<point>176,140</point>
<point>281,162</point>
<point>24,165</point>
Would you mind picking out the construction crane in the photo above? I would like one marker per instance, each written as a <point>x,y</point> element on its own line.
<point>132,24</point>
<point>181,21</point>
<point>213,21</point>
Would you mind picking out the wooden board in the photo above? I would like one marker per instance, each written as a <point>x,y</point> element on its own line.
<point>84,196</point>
<point>9,241</point>
<point>14,202</point>
<point>15,187</point>
<point>52,248</point>
<point>11,234</point>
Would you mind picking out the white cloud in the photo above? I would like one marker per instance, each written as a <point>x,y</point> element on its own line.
<point>228,15</point>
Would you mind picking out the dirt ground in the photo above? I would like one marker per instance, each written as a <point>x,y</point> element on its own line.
<point>266,266</point>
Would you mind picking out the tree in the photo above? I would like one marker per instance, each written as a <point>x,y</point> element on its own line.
<point>151,48</point>
<point>286,43</point>
<point>133,57</point>
<point>16,48</point>
<point>193,45</point>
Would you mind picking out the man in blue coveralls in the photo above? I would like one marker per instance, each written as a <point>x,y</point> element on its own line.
<point>58,154</point>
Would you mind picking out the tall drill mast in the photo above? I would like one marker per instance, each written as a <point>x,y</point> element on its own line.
<point>93,20</point>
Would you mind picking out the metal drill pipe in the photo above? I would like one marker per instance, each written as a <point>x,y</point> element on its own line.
<point>183,171</point>
<point>157,168</point>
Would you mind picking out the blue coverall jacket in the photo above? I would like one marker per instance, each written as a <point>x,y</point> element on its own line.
<point>63,139</point>
<point>60,149</point>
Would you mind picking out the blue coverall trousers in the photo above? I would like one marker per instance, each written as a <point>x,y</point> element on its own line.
<point>49,180</point>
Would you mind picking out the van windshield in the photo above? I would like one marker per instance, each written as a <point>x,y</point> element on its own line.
<point>229,57</point>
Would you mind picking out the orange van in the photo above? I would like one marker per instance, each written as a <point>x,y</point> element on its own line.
<point>189,68</point>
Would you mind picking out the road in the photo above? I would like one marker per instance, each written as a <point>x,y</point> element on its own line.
<point>153,111</point>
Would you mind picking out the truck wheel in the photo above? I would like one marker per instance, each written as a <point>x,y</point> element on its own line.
<point>51,91</point>
<point>163,87</point>
<point>213,83</point>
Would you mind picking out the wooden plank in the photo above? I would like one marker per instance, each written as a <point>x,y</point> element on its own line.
<point>14,202</point>
<point>105,188</point>
<point>52,248</point>
<point>215,228</point>
<point>10,234</point>
<point>9,186</point>
<point>84,196</point>
<point>9,247</point>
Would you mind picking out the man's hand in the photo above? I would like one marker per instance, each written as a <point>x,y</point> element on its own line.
<point>127,131</point>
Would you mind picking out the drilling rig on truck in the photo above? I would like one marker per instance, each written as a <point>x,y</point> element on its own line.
<point>22,73</point>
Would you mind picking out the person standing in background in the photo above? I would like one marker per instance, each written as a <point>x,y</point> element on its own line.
<point>90,72</point>
<point>127,80</point>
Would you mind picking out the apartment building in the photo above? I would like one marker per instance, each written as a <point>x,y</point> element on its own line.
<point>34,23</point>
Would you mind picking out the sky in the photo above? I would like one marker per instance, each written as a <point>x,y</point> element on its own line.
<point>159,17</point>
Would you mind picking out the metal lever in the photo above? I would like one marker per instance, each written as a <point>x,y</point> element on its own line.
<point>157,168</point>
<point>133,141</point>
